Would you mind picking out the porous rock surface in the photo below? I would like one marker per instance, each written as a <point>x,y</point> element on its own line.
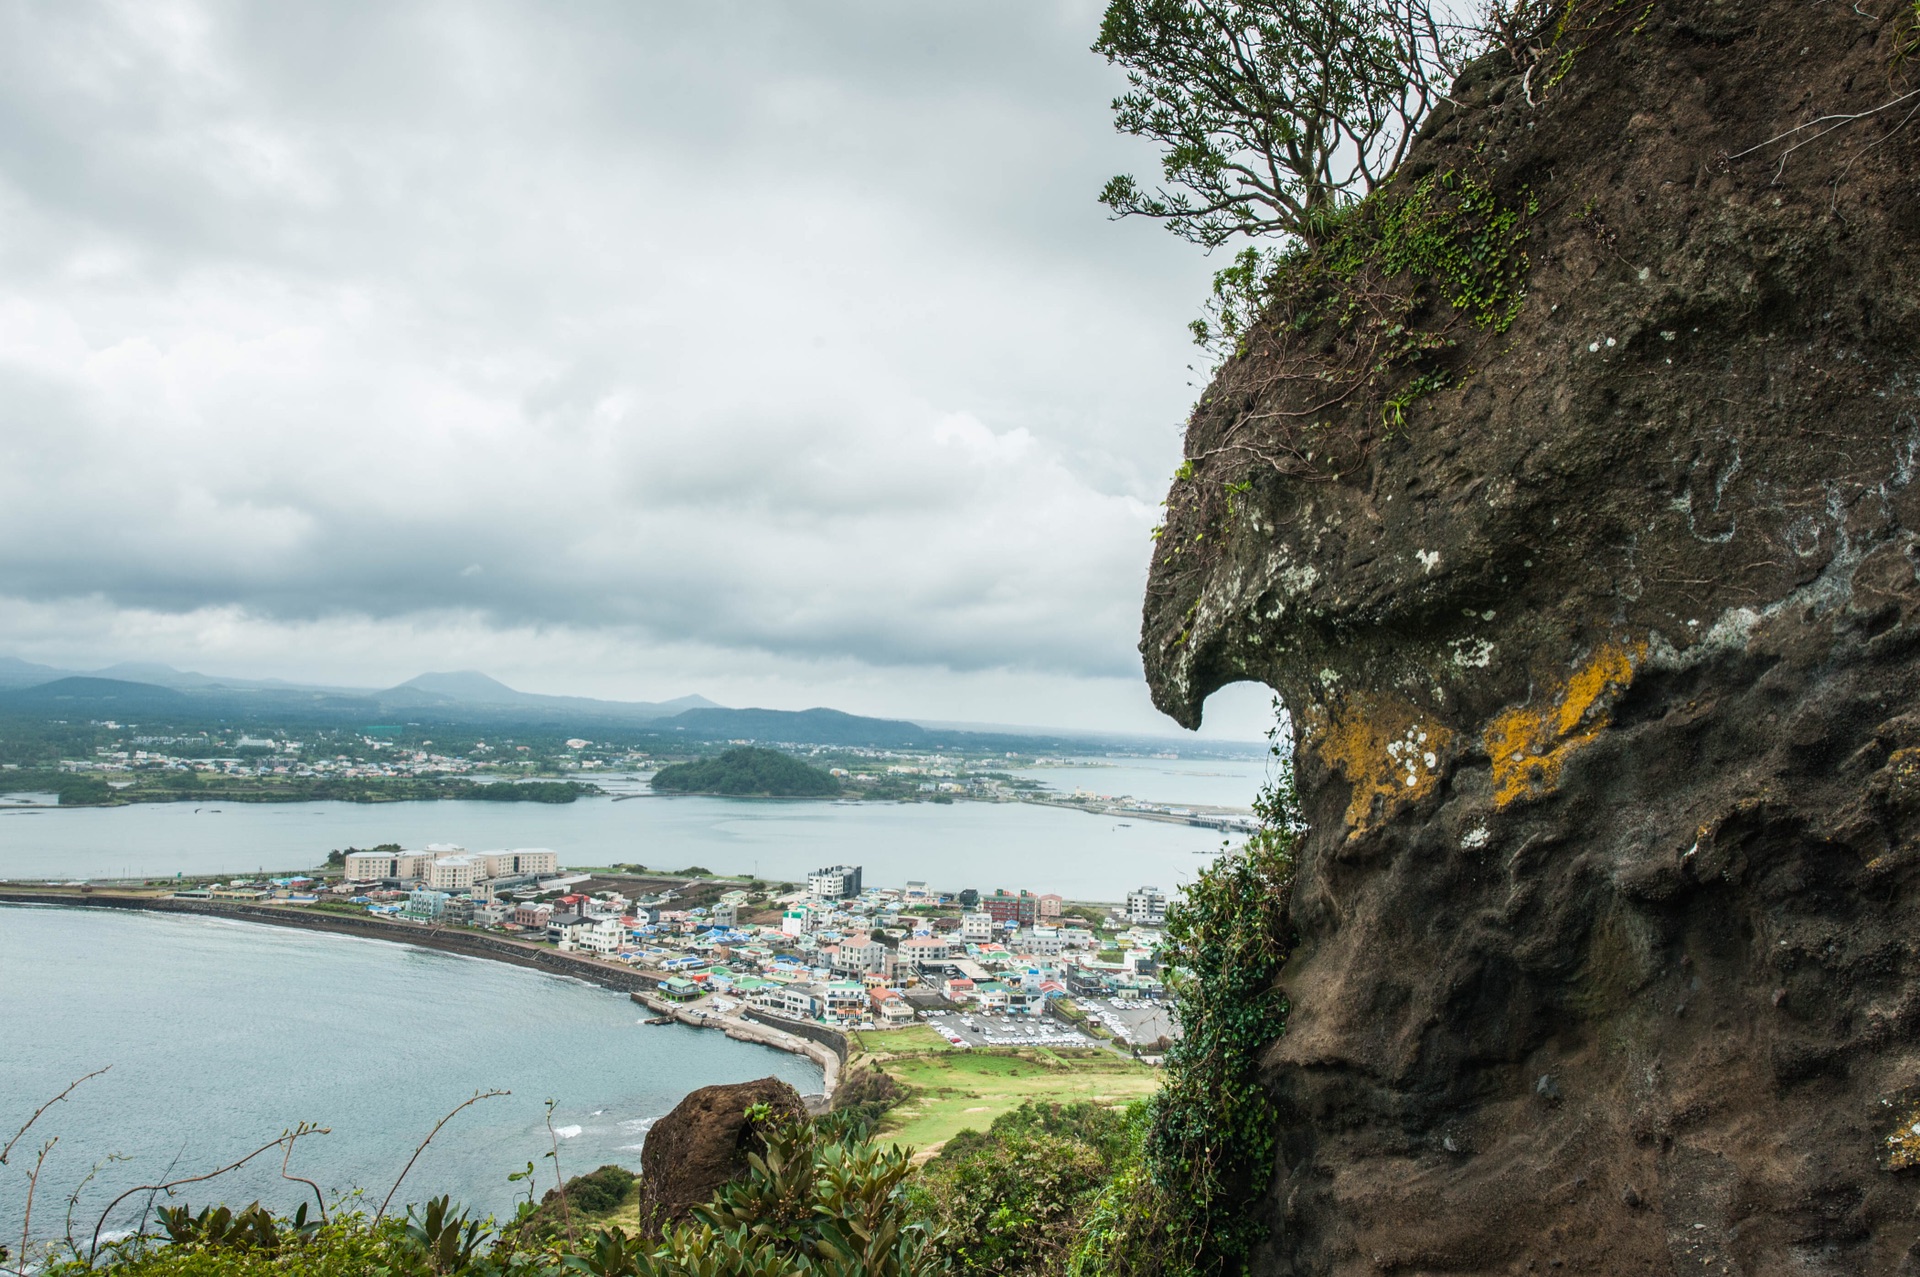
<point>704,1143</point>
<point>1602,672</point>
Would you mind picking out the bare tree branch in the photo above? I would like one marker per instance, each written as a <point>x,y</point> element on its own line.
<point>422,1146</point>
<point>44,1107</point>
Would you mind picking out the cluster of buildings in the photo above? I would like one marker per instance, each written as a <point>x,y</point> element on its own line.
<point>840,952</point>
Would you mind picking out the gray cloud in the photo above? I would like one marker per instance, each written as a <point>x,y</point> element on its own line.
<point>776,334</point>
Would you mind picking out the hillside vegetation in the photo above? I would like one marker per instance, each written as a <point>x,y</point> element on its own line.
<point>747,772</point>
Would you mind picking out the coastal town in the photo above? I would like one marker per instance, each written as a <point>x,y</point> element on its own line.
<point>997,967</point>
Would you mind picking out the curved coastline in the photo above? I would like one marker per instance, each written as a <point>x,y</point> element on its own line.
<point>823,1046</point>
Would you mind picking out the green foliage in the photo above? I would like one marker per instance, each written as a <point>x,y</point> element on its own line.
<point>807,1206</point>
<point>1010,1200</point>
<point>594,1193</point>
<point>1448,239</point>
<point>1204,1146</point>
<point>747,771</point>
<point>81,791</point>
<point>1271,113</point>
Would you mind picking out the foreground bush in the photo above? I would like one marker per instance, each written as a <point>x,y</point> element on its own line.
<point>808,1205</point>
<point>1012,1200</point>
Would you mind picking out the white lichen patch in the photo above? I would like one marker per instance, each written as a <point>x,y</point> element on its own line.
<point>1476,838</point>
<point>1408,754</point>
<point>1429,559</point>
<point>1472,653</point>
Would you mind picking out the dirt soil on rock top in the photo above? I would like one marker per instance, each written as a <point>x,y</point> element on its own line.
<point>1603,670</point>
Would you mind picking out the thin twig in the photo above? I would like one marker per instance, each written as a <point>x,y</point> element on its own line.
<point>73,1198</point>
<point>26,1219</point>
<point>560,1184</point>
<point>422,1146</point>
<point>93,1248</point>
<point>305,1129</point>
<point>43,1108</point>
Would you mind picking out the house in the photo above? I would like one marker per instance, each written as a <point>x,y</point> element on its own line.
<point>532,917</point>
<point>889,1008</point>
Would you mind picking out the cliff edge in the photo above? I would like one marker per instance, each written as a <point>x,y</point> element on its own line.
<point>1598,620</point>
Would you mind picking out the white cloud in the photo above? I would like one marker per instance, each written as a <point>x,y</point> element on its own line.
<point>625,350</point>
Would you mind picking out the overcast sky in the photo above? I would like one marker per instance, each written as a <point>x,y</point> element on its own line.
<point>776,352</point>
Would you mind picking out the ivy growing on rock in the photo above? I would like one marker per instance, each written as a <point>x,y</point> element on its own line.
<point>1205,1143</point>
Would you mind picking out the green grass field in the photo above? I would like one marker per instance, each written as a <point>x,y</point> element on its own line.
<point>953,1091</point>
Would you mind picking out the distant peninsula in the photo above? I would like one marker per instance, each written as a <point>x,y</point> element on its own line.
<point>747,772</point>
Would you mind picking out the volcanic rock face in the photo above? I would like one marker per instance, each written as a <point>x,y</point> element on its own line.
<point>704,1142</point>
<point>1603,672</point>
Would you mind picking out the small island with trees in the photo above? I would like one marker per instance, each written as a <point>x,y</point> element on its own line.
<point>747,772</point>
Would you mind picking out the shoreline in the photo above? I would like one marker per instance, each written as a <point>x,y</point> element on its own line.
<point>638,986</point>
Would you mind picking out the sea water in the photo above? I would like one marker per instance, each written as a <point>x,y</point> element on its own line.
<point>947,845</point>
<point>221,1034</point>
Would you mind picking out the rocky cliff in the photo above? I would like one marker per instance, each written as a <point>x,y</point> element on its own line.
<point>1601,643</point>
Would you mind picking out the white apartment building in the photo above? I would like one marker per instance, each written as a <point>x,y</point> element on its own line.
<point>976,926</point>
<point>836,882</point>
<point>1147,904</point>
<point>447,867</point>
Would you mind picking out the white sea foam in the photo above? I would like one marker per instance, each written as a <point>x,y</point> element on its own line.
<point>566,1132</point>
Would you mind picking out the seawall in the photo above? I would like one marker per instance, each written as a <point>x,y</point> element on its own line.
<point>822,1045</point>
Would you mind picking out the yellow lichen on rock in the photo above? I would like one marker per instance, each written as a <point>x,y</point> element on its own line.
<point>1530,744</point>
<point>1389,750</point>
<point>1903,1145</point>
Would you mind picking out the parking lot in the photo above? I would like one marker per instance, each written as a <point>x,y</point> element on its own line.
<point>1133,1022</point>
<point>1006,1030</point>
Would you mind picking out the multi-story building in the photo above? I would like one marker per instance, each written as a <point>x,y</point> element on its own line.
<point>1148,905</point>
<point>424,905</point>
<point>795,1001</point>
<point>1003,906</point>
<point>976,926</point>
<point>533,917</point>
<point>1050,905</point>
<point>861,953</point>
<point>836,882</point>
<point>447,867</point>
<point>723,915</point>
<point>918,949</point>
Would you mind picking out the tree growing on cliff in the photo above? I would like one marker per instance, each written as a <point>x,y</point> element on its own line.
<point>1273,114</point>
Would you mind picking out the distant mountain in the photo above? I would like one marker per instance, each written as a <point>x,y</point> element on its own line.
<point>811,726</point>
<point>84,694</point>
<point>189,681</point>
<point>474,690</point>
<point>15,672</point>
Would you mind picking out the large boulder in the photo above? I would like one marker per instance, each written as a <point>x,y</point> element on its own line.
<point>705,1141</point>
<point>1603,666</point>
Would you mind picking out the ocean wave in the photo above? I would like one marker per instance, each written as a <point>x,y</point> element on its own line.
<point>566,1132</point>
